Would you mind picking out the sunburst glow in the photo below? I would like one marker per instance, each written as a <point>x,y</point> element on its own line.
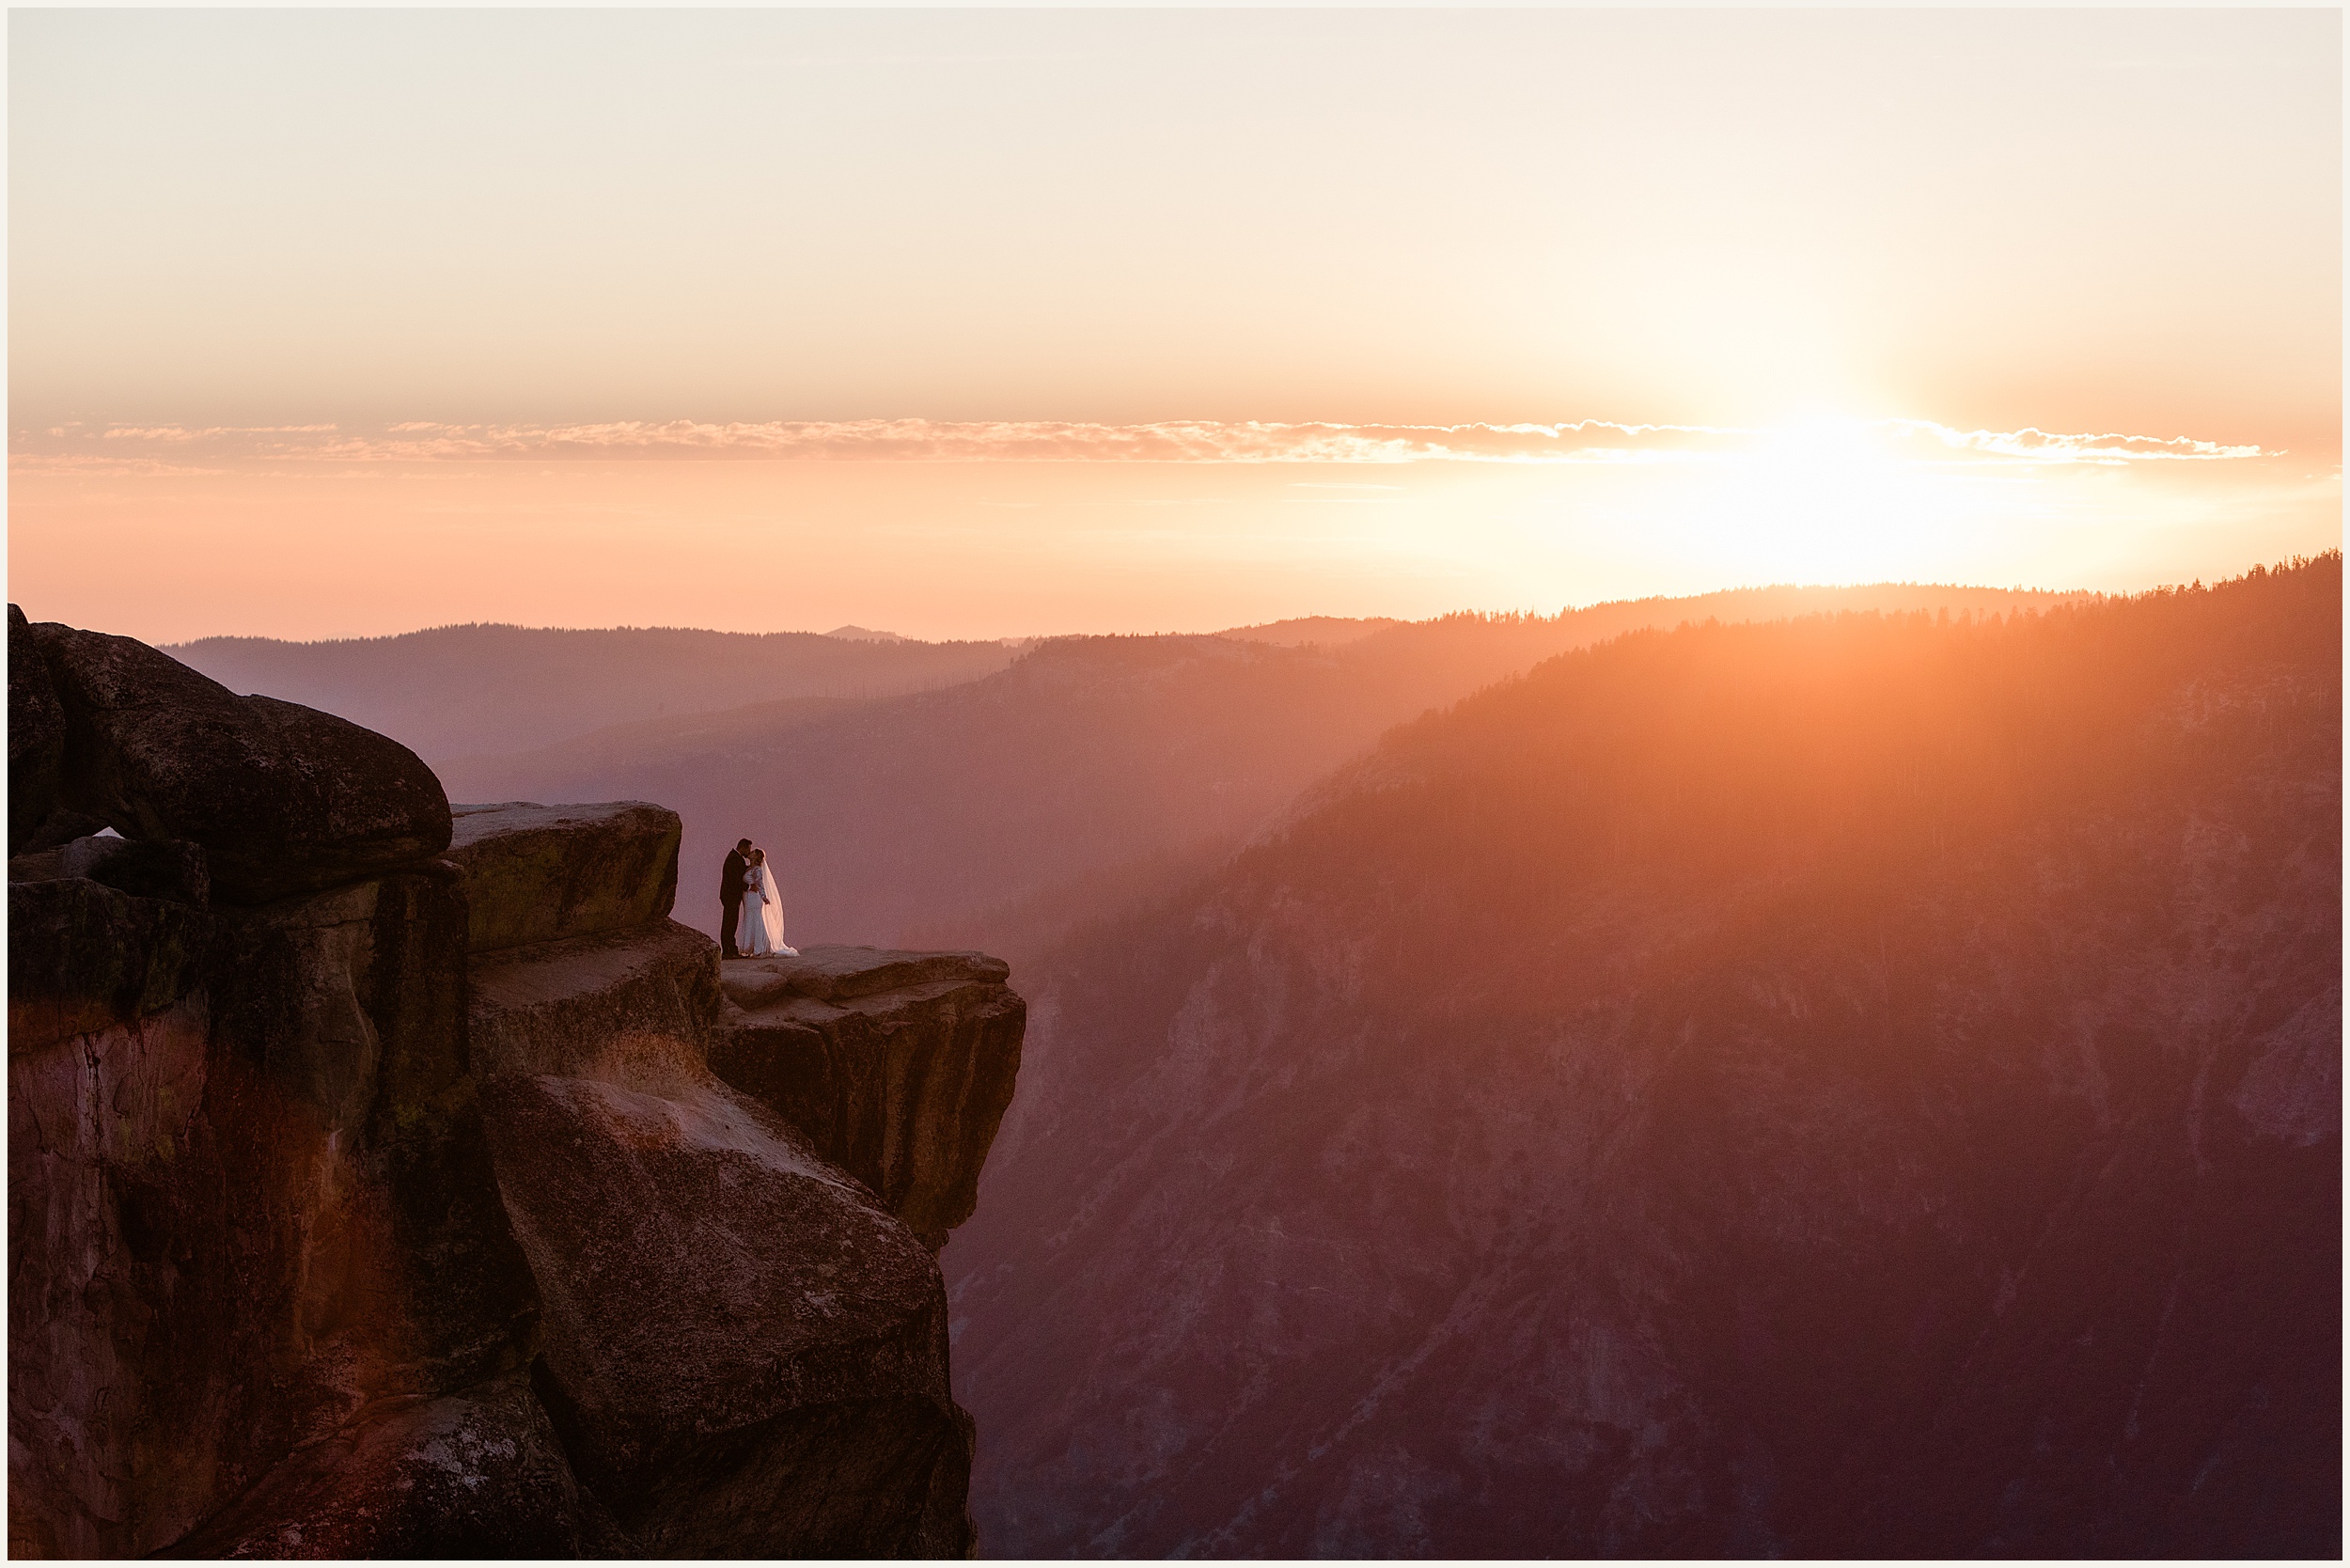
<point>1030,321</point>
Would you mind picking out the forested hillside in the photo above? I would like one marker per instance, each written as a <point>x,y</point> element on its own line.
<point>1862,1085</point>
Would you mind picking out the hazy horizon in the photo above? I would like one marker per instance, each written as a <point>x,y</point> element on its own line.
<point>984,324</point>
<point>885,633</point>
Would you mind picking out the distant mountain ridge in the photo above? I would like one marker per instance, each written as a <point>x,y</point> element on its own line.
<point>490,688</point>
<point>458,691</point>
<point>1328,630</point>
<point>1085,774</point>
<point>1084,755</point>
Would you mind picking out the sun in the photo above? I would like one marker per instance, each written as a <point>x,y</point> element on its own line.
<point>1826,498</point>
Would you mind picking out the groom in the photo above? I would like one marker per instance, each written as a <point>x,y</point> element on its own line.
<point>731,896</point>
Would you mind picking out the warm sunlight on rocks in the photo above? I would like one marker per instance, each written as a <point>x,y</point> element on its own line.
<point>1541,862</point>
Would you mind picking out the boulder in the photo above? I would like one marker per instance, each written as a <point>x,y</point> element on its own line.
<point>898,1067</point>
<point>283,798</point>
<point>35,735</point>
<point>542,873</point>
<point>564,1007</point>
<point>474,1474</point>
<point>746,1353</point>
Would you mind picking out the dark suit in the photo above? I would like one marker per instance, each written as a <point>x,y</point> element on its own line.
<point>730,899</point>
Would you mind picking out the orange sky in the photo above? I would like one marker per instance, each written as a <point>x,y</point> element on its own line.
<point>601,307</point>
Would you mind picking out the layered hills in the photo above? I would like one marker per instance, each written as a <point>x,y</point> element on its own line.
<point>1866,1084</point>
<point>458,691</point>
<point>1090,772</point>
<point>1822,1071</point>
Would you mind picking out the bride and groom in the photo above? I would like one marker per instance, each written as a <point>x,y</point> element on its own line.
<point>752,919</point>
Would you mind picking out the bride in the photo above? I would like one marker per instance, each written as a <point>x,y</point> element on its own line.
<point>760,932</point>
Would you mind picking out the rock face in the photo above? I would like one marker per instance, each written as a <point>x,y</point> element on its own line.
<point>366,1203</point>
<point>748,1353</point>
<point>562,1007</point>
<point>539,874</point>
<point>745,1350</point>
<point>84,957</point>
<point>898,1066</point>
<point>474,1474</point>
<point>250,1196</point>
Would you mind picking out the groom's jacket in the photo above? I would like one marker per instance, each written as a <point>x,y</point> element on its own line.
<point>731,890</point>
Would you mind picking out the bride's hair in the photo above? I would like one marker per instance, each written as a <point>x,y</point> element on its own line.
<point>758,857</point>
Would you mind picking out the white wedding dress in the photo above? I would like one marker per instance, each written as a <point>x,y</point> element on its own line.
<point>760,935</point>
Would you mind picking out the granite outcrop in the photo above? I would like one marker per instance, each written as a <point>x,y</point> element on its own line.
<point>283,799</point>
<point>538,873</point>
<point>372,1192</point>
<point>898,1066</point>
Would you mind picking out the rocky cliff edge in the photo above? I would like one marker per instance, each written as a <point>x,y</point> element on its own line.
<point>394,1178</point>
